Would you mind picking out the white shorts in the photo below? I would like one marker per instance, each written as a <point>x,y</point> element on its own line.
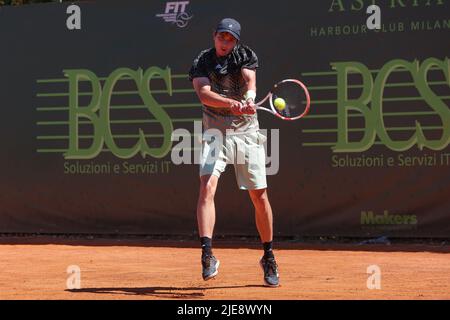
<point>245,151</point>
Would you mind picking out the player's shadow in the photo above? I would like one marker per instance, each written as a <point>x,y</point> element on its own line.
<point>165,292</point>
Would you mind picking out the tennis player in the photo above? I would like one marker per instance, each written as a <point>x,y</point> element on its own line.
<point>224,78</point>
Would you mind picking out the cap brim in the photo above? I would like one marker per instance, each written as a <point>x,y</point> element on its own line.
<point>234,34</point>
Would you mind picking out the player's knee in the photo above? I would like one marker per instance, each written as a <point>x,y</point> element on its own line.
<point>207,190</point>
<point>259,197</point>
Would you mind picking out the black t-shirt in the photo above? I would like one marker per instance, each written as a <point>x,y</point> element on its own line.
<point>226,79</point>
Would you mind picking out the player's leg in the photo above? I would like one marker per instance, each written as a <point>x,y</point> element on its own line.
<point>206,217</point>
<point>206,212</point>
<point>263,214</point>
<point>250,169</point>
<point>264,224</point>
<point>213,163</point>
<point>251,176</point>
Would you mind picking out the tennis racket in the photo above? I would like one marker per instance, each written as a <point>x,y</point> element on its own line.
<point>295,96</point>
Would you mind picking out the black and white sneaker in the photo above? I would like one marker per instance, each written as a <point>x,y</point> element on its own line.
<point>270,268</point>
<point>210,267</point>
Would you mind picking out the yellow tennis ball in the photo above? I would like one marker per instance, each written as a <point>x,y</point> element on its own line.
<point>279,103</point>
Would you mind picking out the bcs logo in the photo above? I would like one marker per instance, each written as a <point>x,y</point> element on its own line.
<point>370,105</point>
<point>175,13</point>
<point>98,113</point>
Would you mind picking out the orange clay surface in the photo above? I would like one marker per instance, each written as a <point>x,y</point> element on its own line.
<point>150,269</point>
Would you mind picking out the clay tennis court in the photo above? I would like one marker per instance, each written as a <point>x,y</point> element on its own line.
<point>35,268</point>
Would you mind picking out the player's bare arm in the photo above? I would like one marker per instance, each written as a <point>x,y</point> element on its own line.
<point>208,97</point>
<point>249,76</point>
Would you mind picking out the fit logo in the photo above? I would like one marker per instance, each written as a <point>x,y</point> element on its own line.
<point>74,280</point>
<point>369,105</point>
<point>374,280</point>
<point>175,13</point>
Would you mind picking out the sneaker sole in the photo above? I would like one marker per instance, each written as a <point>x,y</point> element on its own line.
<point>215,273</point>
<point>266,284</point>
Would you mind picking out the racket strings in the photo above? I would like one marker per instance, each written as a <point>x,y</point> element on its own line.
<point>294,98</point>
